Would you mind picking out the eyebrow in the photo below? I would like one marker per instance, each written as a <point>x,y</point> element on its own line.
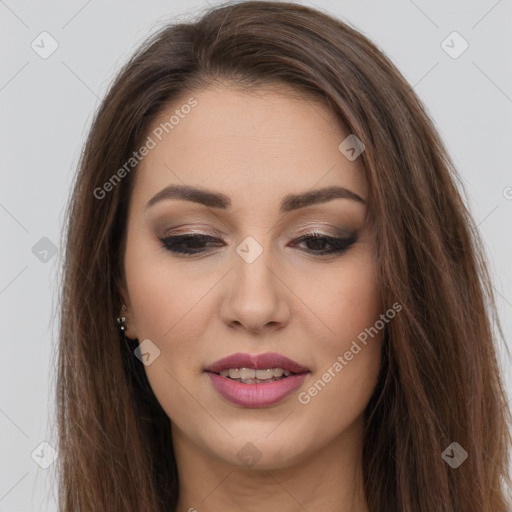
<point>218,200</point>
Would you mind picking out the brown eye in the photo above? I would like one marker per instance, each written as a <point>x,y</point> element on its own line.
<point>316,243</point>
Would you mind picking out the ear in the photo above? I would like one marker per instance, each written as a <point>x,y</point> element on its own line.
<point>130,329</point>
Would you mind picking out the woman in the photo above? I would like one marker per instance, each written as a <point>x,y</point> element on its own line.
<point>274,296</point>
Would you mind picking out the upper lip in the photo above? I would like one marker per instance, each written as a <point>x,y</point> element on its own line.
<point>257,361</point>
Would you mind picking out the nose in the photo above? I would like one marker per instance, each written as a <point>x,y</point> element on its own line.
<point>256,297</point>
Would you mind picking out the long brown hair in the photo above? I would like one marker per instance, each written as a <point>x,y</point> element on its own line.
<point>439,381</point>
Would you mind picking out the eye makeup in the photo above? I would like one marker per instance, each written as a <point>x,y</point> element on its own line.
<point>190,244</point>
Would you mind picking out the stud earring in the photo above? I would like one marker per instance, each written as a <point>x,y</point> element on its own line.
<point>121,320</point>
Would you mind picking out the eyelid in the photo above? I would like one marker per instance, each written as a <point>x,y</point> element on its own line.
<point>303,229</point>
<point>340,244</point>
<point>193,231</point>
<point>331,231</point>
<point>306,232</point>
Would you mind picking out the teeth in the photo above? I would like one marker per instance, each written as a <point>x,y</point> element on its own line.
<point>247,373</point>
<point>265,374</point>
<point>251,373</point>
<point>256,381</point>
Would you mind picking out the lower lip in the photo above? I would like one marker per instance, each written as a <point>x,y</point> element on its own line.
<point>256,395</point>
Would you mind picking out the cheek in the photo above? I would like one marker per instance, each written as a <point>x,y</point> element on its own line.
<point>336,398</point>
<point>339,391</point>
<point>170,309</point>
<point>166,304</point>
<point>349,356</point>
<point>343,301</point>
<point>163,297</point>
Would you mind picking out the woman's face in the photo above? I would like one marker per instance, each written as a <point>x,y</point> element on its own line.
<point>253,285</point>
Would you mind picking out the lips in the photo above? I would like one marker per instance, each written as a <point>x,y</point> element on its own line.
<point>259,394</point>
<point>257,362</point>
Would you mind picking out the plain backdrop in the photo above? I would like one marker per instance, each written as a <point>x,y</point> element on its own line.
<point>46,109</point>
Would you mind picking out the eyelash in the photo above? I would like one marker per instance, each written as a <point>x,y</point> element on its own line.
<point>340,244</point>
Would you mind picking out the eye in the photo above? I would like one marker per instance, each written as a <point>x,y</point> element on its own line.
<point>191,244</point>
<point>318,241</point>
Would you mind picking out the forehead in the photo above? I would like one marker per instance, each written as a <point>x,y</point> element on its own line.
<point>254,146</point>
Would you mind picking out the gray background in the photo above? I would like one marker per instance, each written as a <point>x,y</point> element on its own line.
<point>47,106</point>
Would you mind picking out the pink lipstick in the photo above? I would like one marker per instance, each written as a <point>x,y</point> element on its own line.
<point>256,380</point>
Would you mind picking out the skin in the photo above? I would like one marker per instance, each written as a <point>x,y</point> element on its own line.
<point>256,148</point>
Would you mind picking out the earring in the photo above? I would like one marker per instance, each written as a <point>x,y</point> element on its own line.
<point>121,320</point>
